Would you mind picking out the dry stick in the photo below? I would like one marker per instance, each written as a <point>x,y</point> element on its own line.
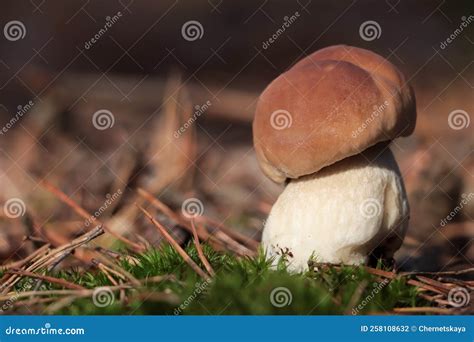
<point>222,237</point>
<point>39,293</point>
<point>435,283</point>
<point>107,273</point>
<point>109,270</point>
<point>420,285</point>
<point>59,252</point>
<point>31,259</point>
<point>428,284</point>
<point>53,266</point>
<point>119,271</point>
<point>437,299</point>
<point>34,239</point>
<point>176,246</point>
<point>203,234</point>
<point>106,270</point>
<point>54,255</point>
<point>112,255</point>
<point>160,205</point>
<point>57,240</point>
<point>233,245</point>
<point>467,270</point>
<point>381,273</point>
<point>425,283</point>
<point>49,279</point>
<point>206,263</point>
<point>232,233</point>
<point>22,262</point>
<point>456,281</point>
<point>84,214</point>
<point>34,301</point>
<point>78,293</point>
<point>421,309</point>
<point>428,287</point>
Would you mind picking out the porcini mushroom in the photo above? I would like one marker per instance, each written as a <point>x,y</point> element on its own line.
<point>324,127</point>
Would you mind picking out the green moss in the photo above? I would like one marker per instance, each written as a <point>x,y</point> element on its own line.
<point>241,286</point>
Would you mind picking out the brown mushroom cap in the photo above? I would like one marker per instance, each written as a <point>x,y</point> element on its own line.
<point>333,104</point>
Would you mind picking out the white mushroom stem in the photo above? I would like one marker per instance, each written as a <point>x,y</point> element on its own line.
<point>341,213</point>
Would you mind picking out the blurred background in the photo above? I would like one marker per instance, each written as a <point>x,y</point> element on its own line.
<point>100,98</point>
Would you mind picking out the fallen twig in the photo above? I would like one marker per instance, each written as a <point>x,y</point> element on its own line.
<point>49,279</point>
<point>422,286</point>
<point>175,245</point>
<point>160,205</point>
<point>424,309</point>
<point>467,270</point>
<point>206,263</point>
<point>381,273</point>
<point>85,215</point>
<point>249,242</point>
<point>22,262</point>
<point>78,293</point>
<point>435,283</point>
<point>53,256</point>
<point>219,236</point>
<point>107,270</point>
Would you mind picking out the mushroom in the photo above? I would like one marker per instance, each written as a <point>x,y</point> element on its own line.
<point>324,127</point>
